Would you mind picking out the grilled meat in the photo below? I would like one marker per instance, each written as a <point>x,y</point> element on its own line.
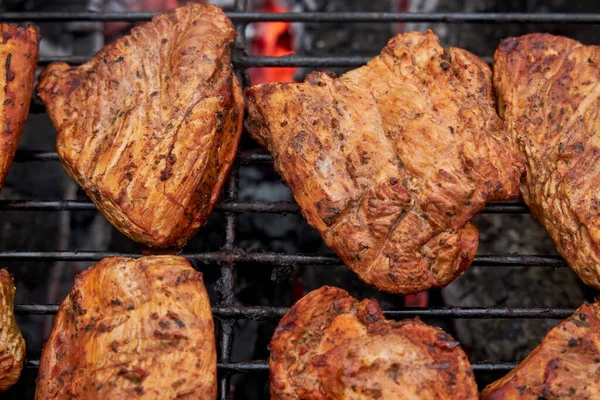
<point>132,329</point>
<point>18,61</point>
<point>149,128</point>
<point>12,344</point>
<point>548,91</point>
<point>331,346</point>
<point>564,366</point>
<point>390,162</point>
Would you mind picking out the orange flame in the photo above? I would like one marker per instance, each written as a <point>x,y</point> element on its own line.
<point>272,39</point>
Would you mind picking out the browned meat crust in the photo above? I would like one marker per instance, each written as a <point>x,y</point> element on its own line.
<point>549,93</point>
<point>132,329</point>
<point>391,161</point>
<point>149,128</point>
<point>12,344</point>
<point>564,366</point>
<point>18,61</point>
<point>331,346</point>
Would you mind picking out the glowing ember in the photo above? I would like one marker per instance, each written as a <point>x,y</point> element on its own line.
<point>416,300</point>
<point>272,39</point>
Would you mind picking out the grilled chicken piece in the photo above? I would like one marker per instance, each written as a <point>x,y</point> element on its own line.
<point>149,128</point>
<point>549,95</point>
<point>12,344</point>
<point>18,61</point>
<point>132,329</point>
<point>389,162</point>
<point>331,346</point>
<point>564,366</point>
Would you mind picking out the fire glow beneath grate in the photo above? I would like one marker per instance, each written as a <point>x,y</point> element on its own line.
<point>273,39</point>
<point>226,312</point>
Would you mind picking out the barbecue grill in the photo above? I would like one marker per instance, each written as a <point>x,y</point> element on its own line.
<point>224,261</point>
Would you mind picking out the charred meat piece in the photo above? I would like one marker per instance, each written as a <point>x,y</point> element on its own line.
<point>12,344</point>
<point>18,61</point>
<point>149,128</point>
<point>564,366</point>
<point>549,95</point>
<point>390,162</point>
<point>331,346</point>
<point>132,329</point>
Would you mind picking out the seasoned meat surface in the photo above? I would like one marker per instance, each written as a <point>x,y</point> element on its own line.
<point>132,329</point>
<point>549,94</point>
<point>564,366</point>
<point>12,344</point>
<point>331,346</point>
<point>149,128</point>
<point>390,162</point>
<point>18,61</point>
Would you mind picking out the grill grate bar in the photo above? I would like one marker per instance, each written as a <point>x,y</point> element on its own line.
<point>256,366</point>
<point>258,156</point>
<point>263,366</point>
<point>263,313</point>
<point>241,61</point>
<point>312,17</point>
<point>232,194</point>
<point>33,155</point>
<point>237,207</point>
<point>275,259</point>
<point>226,285</point>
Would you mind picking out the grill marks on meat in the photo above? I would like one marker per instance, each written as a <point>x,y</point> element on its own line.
<point>149,128</point>
<point>331,346</point>
<point>18,61</point>
<point>132,328</point>
<point>549,93</point>
<point>12,344</point>
<point>389,162</point>
<point>565,365</point>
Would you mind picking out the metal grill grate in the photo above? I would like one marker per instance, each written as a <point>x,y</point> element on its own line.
<point>226,313</point>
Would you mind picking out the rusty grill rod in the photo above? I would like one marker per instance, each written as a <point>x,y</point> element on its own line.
<point>340,17</point>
